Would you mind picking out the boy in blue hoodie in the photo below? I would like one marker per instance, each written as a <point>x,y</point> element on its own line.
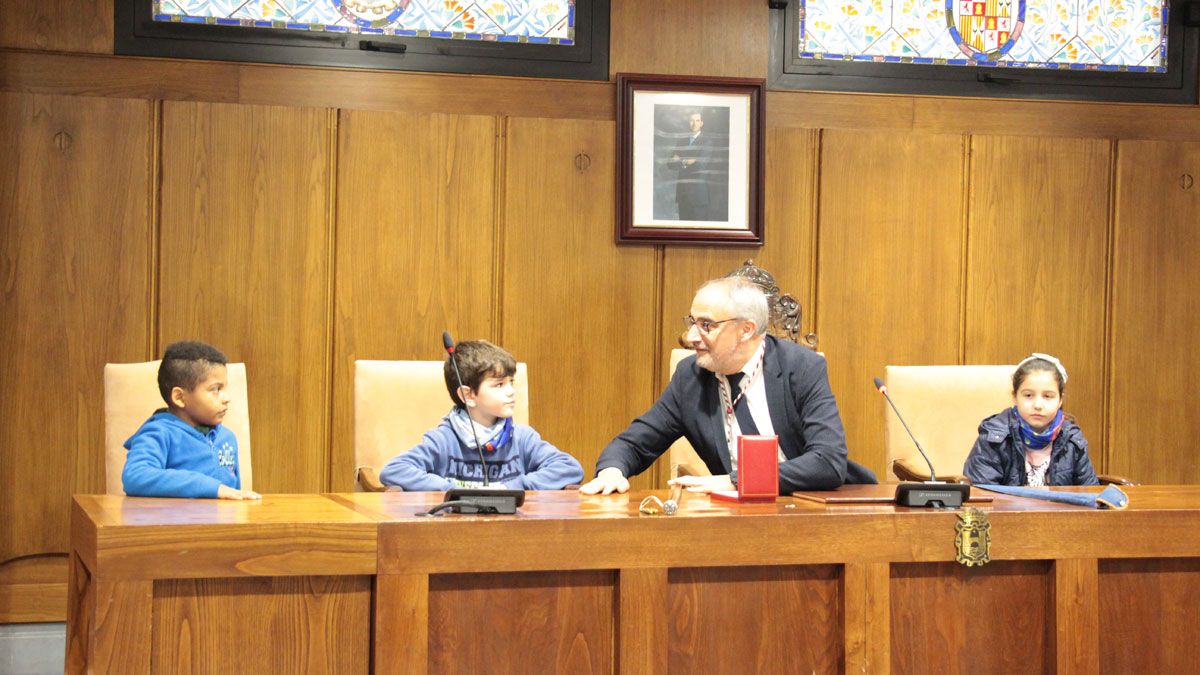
<point>517,457</point>
<point>182,450</point>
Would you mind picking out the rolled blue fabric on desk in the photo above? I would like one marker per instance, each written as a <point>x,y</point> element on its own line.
<point>1110,497</point>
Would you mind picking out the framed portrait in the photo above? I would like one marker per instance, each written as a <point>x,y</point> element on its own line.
<point>690,160</point>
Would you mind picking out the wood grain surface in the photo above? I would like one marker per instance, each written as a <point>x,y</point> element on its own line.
<point>415,240</point>
<point>950,618</point>
<point>689,37</point>
<point>1155,312</point>
<point>589,584</point>
<point>537,622</point>
<point>889,280</point>
<point>1076,616</point>
<point>748,619</point>
<point>1031,244</point>
<point>576,308</point>
<point>1147,615</point>
<point>313,624</point>
<point>75,276</point>
<point>57,25</point>
<point>244,264</point>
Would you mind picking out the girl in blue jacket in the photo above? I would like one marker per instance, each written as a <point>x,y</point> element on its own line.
<point>1032,443</point>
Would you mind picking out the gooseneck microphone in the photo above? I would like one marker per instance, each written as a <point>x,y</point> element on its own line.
<point>883,390</point>
<point>474,500</point>
<point>448,343</point>
<point>932,492</point>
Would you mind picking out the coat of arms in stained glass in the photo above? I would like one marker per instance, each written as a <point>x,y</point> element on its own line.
<point>1104,35</point>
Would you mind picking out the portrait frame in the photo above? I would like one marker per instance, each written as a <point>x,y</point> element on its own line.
<point>689,160</point>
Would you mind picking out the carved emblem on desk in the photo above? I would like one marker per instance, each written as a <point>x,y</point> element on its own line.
<point>974,538</point>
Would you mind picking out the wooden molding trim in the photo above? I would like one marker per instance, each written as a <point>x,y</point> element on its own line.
<point>267,84</point>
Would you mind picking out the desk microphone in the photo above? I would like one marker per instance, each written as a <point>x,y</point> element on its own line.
<point>932,492</point>
<point>448,343</point>
<point>475,500</point>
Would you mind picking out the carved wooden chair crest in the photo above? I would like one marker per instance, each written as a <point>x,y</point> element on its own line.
<point>784,310</point>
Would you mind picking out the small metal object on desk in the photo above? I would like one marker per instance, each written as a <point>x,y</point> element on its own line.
<point>671,506</point>
<point>652,506</point>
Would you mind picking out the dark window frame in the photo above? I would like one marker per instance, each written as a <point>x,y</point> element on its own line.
<point>1177,85</point>
<point>137,34</point>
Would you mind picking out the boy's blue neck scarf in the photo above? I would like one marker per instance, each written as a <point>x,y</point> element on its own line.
<point>493,438</point>
<point>1031,439</point>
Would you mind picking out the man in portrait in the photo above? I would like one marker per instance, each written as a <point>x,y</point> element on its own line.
<point>691,160</point>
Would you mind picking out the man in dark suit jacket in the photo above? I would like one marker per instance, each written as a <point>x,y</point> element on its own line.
<point>786,393</point>
<point>691,160</point>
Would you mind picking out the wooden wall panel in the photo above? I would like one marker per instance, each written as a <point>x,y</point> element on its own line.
<point>577,308</point>
<point>889,285</point>
<point>1155,313</point>
<point>1037,260</point>
<point>32,589</point>
<point>714,628</point>
<point>317,625</point>
<point>415,247</point>
<point>551,622</point>
<point>1147,615</point>
<point>268,84</point>
<point>245,265</point>
<point>75,269</point>
<point>689,37</point>
<point>57,25</point>
<point>978,631</point>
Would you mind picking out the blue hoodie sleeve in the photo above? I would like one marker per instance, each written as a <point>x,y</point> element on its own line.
<point>547,467</point>
<point>146,473</point>
<point>417,469</point>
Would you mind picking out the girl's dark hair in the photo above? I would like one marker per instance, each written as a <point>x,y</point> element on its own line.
<point>1036,365</point>
<point>477,361</point>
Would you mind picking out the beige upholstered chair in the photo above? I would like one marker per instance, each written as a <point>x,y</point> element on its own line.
<point>131,396</point>
<point>943,406</point>
<point>396,402</point>
<point>684,460</point>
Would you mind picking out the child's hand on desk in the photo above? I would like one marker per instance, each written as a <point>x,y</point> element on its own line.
<point>226,492</point>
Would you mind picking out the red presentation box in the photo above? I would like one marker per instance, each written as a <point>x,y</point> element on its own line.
<point>758,470</point>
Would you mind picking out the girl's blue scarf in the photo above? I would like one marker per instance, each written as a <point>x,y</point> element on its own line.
<point>1031,439</point>
<point>492,438</point>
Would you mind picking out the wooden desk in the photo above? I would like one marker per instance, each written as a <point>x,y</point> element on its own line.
<point>206,585</point>
<point>589,585</point>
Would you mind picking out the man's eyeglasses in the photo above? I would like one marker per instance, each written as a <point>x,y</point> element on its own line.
<point>705,326</point>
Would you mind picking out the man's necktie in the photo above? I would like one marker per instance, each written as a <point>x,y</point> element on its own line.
<point>741,409</point>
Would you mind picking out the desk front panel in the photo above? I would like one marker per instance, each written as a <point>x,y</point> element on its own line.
<point>351,582</point>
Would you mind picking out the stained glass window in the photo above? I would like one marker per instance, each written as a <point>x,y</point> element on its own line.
<point>520,21</point>
<point>1101,35</point>
<point>527,38</point>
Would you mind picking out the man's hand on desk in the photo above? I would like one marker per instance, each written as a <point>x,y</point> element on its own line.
<point>702,484</point>
<point>226,492</point>
<point>606,482</point>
